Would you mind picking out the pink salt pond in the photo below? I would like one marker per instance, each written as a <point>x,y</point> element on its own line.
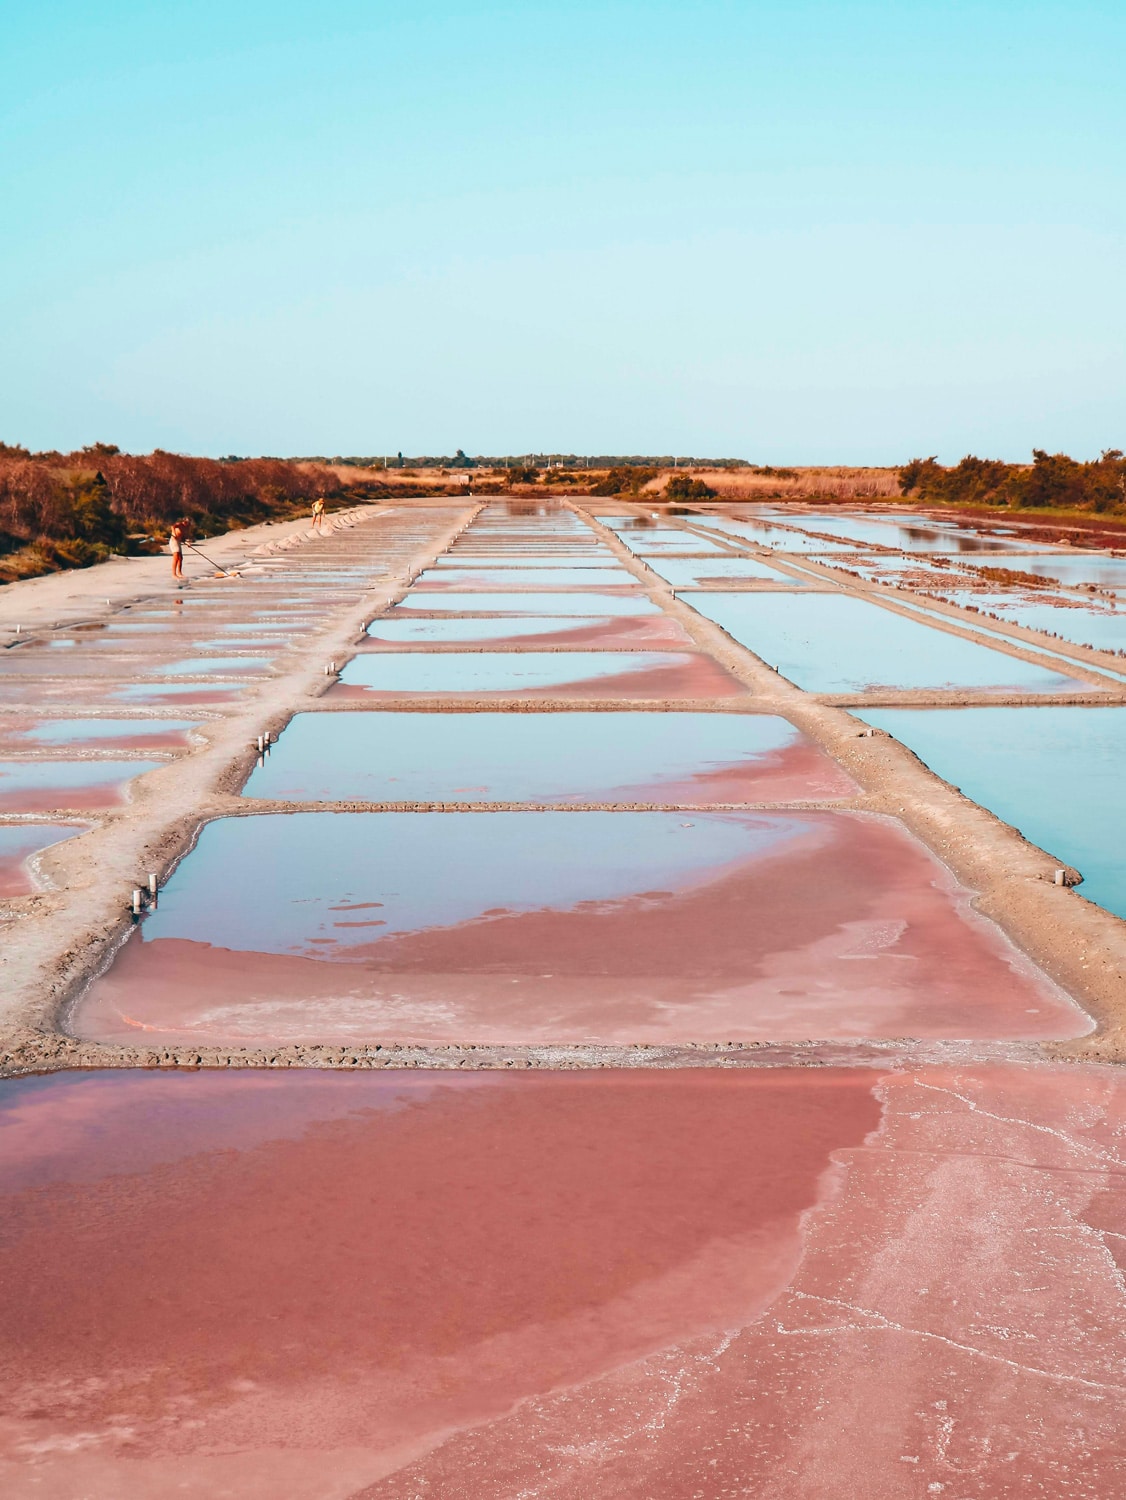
<point>537,674</point>
<point>665,758</point>
<point>24,734</point>
<point>568,927</point>
<point>611,578</point>
<point>19,843</point>
<point>607,632</point>
<point>649,1286</point>
<point>77,785</point>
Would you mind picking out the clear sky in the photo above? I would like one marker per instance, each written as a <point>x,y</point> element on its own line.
<point>793,232</point>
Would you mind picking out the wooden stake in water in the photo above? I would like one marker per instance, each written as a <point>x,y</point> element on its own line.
<point>138,897</point>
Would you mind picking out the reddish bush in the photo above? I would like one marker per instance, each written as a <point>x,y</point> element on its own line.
<point>70,509</point>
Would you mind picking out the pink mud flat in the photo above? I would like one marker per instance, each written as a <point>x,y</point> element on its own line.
<point>785,1283</point>
<point>786,926</point>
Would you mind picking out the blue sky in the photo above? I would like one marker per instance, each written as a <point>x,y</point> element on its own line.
<point>798,232</point>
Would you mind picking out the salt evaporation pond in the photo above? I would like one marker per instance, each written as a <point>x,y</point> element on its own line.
<point>100,734</point>
<point>760,534</point>
<point>553,927</point>
<point>177,692</point>
<point>909,538</point>
<point>18,843</point>
<point>529,603</point>
<point>603,631</point>
<point>1053,773</point>
<point>349,1269</point>
<point>601,674</point>
<point>1077,568</point>
<point>307,1283</point>
<point>546,758</point>
<point>483,562</point>
<point>1101,629</point>
<point>43,785</point>
<point>644,542</point>
<point>835,643</point>
<point>228,666</point>
<point>682,572</point>
<point>615,577</point>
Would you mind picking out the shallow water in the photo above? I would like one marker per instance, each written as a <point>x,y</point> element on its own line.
<point>924,538</point>
<point>103,734</point>
<point>1100,628</point>
<point>553,927</point>
<point>18,842</point>
<point>228,666</point>
<point>658,541</point>
<point>683,572</point>
<point>516,577</point>
<point>1053,773</point>
<point>43,785</point>
<point>646,674</point>
<point>606,630</point>
<point>761,534</point>
<point>1076,569</point>
<point>923,605</point>
<point>834,643</point>
<point>312,1337</point>
<point>508,604</point>
<point>179,692</point>
<point>236,642</point>
<point>597,558</point>
<point>552,758</point>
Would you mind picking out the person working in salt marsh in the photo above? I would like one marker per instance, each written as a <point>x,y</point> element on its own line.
<point>176,539</point>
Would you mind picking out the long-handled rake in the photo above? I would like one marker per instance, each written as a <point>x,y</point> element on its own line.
<point>223,572</point>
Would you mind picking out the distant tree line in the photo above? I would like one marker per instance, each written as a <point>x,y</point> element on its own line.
<point>1053,481</point>
<point>65,510</point>
<point>462,460</point>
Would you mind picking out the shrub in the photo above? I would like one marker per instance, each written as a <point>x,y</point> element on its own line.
<point>625,481</point>
<point>1052,482</point>
<point>69,510</point>
<point>682,487</point>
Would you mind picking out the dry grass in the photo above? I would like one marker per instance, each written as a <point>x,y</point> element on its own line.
<point>831,483</point>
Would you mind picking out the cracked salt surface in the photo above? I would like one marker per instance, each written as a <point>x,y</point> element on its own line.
<point>909,1272</point>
